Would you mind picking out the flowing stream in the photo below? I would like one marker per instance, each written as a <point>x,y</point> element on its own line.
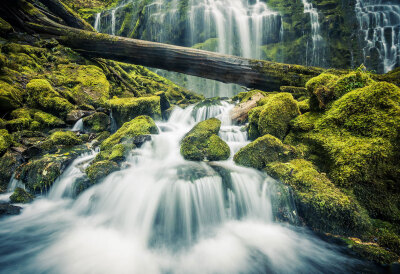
<point>163,214</point>
<point>379,22</point>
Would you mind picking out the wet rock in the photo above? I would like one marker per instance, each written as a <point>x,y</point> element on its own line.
<point>203,143</point>
<point>7,209</point>
<point>74,115</point>
<point>240,112</point>
<point>21,196</point>
<point>97,122</point>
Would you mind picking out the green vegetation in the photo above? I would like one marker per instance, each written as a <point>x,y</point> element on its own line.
<point>100,170</point>
<point>97,122</point>
<point>203,143</point>
<point>20,195</point>
<point>5,141</point>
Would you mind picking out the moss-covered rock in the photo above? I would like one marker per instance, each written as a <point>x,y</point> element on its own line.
<point>10,97</point>
<point>322,205</point>
<point>5,141</point>
<point>126,109</point>
<point>86,84</point>
<point>43,96</point>
<point>5,27</point>
<point>264,150</point>
<point>60,139</point>
<point>101,169</point>
<point>96,122</point>
<point>8,164</point>
<point>202,142</point>
<point>276,115</point>
<point>39,174</point>
<point>304,106</point>
<point>20,195</point>
<point>253,117</point>
<point>140,126</point>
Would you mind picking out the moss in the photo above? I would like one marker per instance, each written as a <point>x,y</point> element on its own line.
<point>304,106</point>
<point>65,138</point>
<point>305,122</point>
<point>18,124</point>
<point>96,122</point>
<point>320,90</point>
<point>372,251</point>
<point>141,125</point>
<point>262,151</point>
<point>210,45</point>
<point>46,120</point>
<point>10,97</point>
<point>8,164</point>
<point>351,81</point>
<point>322,205</point>
<point>100,170</point>
<point>246,95</point>
<point>42,95</point>
<point>276,114</point>
<point>5,141</point>
<point>125,109</point>
<point>87,84</point>
<point>5,27</point>
<point>297,92</point>
<point>254,115</point>
<point>202,142</point>
<point>20,195</point>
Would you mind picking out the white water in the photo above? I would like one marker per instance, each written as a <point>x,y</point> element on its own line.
<point>379,22</point>
<point>163,214</point>
<point>317,54</point>
<point>12,185</point>
<point>78,126</point>
<point>97,22</point>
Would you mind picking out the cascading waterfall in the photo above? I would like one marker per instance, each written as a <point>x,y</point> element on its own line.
<point>236,27</point>
<point>317,54</point>
<point>78,126</point>
<point>163,214</point>
<point>97,21</point>
<point>379,22</point>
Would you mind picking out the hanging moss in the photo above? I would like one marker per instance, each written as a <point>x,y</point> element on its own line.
<point>202,142</point>
<point>262,151</point>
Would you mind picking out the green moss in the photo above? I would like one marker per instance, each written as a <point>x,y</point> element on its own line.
<point>100,170</point>
<point>304,106</point>
<point>246,95</point>
<point>5,141</point>
<point>262,151</point>
<point>87,84</point>
<point>96,122</point>
<point>320,90</point>
<point>42,95</point>
<point>46,120</point>
<point>276,114</point>
<point>125,109</point>
<point>141,125</point>
<point>10,97</point>
<point>210,45</point>
<point>351,81</point>
<point>20,195</point>
<point>202,142</point>
<point>18,124</point>
<point>322,205</point>
<point>372,252</point>
<point>305,122</point>
<point>65,138</point>
<point>5,27</point>
<point>8,164</point>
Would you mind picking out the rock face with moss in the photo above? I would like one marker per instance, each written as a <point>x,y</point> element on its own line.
<point>20,195</point>
<point>203,143</point>
<point>96,122</point>
<point>125,109</point>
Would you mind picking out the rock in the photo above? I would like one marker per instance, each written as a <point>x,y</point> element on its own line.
<point>97,122</point>
<point>10,97</point>
<point>7,209</point>
<point>319,202</point>
<point>203,143</point>
<point>20,195</point>
<point>297,92</point>
<point>101,169</point>
<point>60,139</point>
<point>240,112</point>
<point>5,141</point>
<point>141,125</point>
<point>264,150</point>
<point>125,109</point>
<point>39,174</point>
<point>74,115</point>
<point>8,163</point>
<point>276,114</point>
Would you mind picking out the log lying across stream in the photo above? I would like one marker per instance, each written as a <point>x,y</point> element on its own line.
<point>250,73</point>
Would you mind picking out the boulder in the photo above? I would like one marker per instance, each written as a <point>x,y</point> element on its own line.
<point>97,122</point>
<point>240,112</point>
<point>203,143</point>
<point>74,115</point>
<point>21,196</point>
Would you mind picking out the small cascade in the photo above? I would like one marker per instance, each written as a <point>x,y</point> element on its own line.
<point>379,23</point>
<point>64,185</point>
<point>113,21</point>
<point>317,54</point>
<point>12,185</point>
<point>78,126</point>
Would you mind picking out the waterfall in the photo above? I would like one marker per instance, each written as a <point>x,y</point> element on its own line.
<point>379,23</point>
<point>237,27</point>
<point>317,40</point>
<point>163,214</point>
<point>97,22</point>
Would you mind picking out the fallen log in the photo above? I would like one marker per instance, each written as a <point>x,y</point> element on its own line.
<point>257,74</point>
